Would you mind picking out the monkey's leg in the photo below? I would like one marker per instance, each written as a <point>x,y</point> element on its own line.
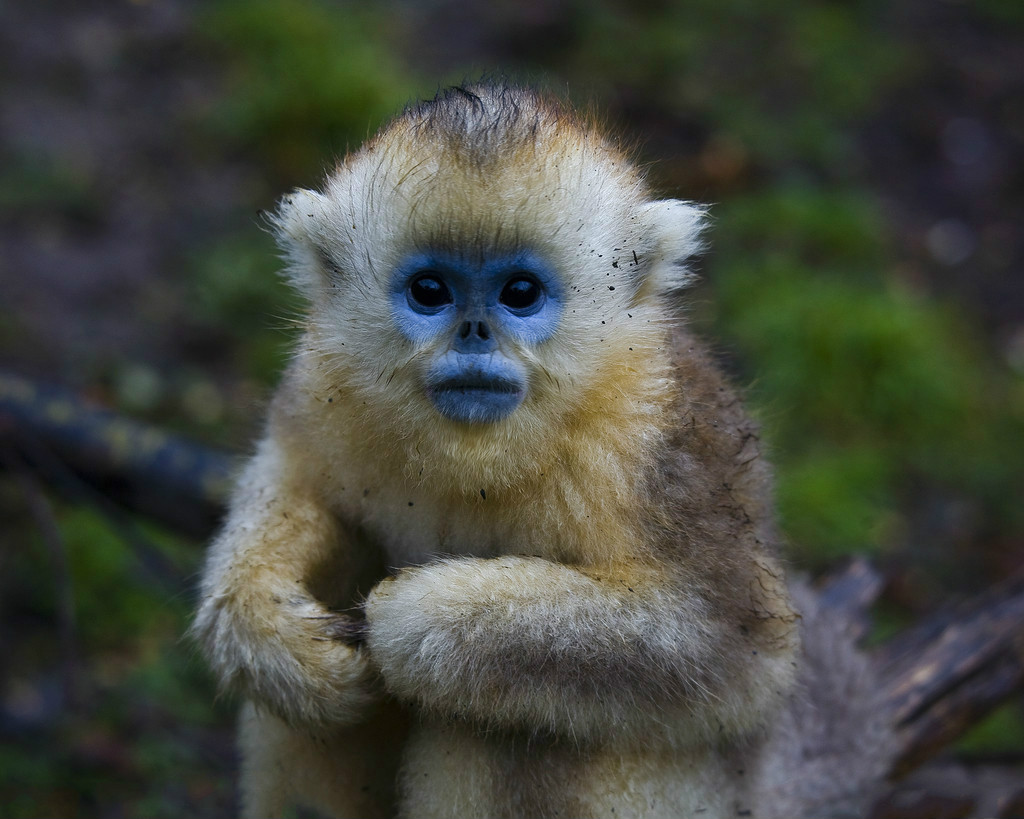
<point>450,771</point>
<point>454,770</point>
<point>347,772</point>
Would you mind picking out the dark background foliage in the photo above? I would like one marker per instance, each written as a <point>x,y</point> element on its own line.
<point>863,161</point>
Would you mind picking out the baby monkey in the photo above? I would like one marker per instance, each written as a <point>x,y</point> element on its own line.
<point>506,548</point>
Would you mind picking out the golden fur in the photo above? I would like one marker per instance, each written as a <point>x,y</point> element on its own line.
<point>576,610</point>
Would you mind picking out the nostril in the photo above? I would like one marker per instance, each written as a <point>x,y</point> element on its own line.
<point>474,328</point>
<point>473,336</point>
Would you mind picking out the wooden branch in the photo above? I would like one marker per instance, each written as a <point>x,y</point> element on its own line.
<point>79,448</point>
<point>942,676</point>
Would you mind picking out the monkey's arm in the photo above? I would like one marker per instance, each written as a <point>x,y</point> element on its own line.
<point>261,628</point>
<point>530,644</point>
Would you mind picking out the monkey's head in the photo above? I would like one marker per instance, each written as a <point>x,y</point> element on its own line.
<point>486,266</point>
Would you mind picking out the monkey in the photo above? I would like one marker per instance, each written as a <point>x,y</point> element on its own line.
<point>506,547</point>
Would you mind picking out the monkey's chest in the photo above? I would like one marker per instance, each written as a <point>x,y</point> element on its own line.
<point>412,529</point>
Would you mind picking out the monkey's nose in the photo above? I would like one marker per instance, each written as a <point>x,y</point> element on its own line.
<point>474,337</point>
<point>474,328</point>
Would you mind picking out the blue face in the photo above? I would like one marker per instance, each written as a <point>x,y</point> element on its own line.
<point>475,309</point>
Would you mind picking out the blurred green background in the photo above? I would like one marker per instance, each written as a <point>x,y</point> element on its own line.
<point>864,163</point>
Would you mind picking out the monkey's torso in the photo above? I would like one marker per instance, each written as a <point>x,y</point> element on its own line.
<point>399,518</point>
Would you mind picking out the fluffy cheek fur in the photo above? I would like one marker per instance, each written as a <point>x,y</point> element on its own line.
<point>624,385</point>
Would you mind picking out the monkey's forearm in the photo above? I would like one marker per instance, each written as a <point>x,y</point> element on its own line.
<point>259,625</point>
<point>526,643</point>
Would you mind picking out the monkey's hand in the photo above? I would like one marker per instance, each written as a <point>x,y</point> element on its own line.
<point>287,652</point>
<point>524,643</point>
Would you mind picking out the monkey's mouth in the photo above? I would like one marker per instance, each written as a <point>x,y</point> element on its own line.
<point>476,399</point>
<point>470,386</point>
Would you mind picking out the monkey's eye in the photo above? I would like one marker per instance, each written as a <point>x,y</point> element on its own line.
<point>521,294</point>
<point>429,292</point>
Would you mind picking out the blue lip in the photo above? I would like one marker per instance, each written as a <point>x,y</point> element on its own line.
<point>475,389</point>
<point>474,385</point>
<point>475,400</point>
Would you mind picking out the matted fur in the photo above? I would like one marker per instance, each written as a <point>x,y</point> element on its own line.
<point>584,615</point>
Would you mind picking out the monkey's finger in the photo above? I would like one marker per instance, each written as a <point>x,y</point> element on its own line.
<point>343,629</point>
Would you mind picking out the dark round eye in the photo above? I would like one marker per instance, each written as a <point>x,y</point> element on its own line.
<point>520,293</point>
<point>430,292</point>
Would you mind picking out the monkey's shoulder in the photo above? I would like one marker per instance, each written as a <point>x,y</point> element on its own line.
<point>710,439</point>
<point>709,490</point>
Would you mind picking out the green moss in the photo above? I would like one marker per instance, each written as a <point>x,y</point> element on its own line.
<point>841,230</point>
<point>1002,11</point>
<point>834,501</point>
<point>864,385</point>
<point>33,183</point>
<point>114,598</point>
<point>1002,731</point>
<point>305,79</point>
<point>127,742</point>
<point>782,79</point>
<point>236,285</point>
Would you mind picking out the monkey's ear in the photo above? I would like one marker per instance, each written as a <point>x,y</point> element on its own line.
<point>298,225</point>
<point>675,227</point>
